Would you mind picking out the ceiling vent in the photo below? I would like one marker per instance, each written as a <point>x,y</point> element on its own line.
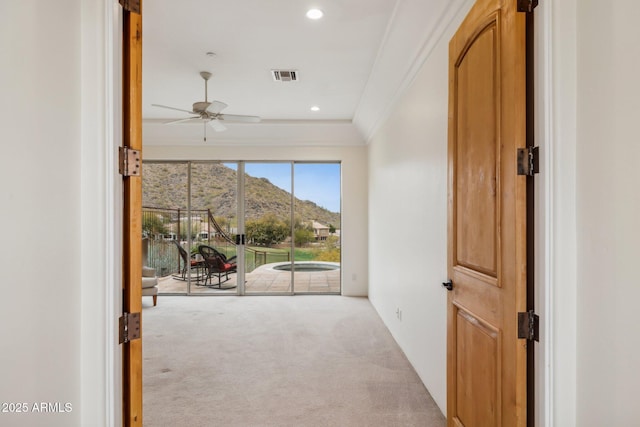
<point>285,75</point>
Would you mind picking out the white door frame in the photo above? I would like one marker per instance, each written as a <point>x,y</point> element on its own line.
<point>100,27</point>
<point>555,212</point>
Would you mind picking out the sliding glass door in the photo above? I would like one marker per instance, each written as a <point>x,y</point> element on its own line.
<point>317,228</point>
<point>267,211</point>
<point>253,228</point>
<point>214,209</point>
<point>165,201</point>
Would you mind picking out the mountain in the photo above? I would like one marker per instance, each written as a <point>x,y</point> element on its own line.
<point>214,186</point>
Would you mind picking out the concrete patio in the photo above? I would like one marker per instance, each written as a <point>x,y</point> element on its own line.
<point>264,279</point>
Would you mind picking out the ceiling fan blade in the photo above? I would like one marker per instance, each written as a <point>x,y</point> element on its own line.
<point>216,106</point>
<point>238,118</point>
<point>188,119</point>
<point>217,126</point>
<point>171,108</point>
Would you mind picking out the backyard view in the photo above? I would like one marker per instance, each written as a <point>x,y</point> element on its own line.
<point>286,235</point>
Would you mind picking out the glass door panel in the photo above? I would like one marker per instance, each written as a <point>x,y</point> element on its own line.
<point>267,213</point>
<point>213,228</point>
<point>317,228</point>
<point>164,205</point>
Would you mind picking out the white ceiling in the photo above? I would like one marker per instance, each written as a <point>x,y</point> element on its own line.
<point>352,63</point>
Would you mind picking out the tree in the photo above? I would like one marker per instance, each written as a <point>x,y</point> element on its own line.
<point>302,236</point>
<point>266,231</point>
<point>153,225</point>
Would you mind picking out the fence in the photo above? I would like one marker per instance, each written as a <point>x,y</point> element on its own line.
<point>161,227</point>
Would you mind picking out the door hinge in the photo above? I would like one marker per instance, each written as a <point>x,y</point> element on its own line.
<point>129,327</point>
<point>528,325</point>
<point>131,5</point>
<point>528,161</point>
<point>527,5</point>
<point>129,161</point>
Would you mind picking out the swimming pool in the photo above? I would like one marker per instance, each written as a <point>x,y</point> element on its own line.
<point>308,266</point>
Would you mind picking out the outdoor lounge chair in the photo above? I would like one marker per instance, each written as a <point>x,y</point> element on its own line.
<point>216,264</point>
<point>231,260</point>
<point>186,259</point>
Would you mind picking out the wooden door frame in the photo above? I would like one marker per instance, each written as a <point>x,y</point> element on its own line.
<point>531,236</point>
<point>132,215</point>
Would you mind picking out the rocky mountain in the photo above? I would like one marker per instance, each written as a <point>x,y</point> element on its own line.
<point>214,186</point>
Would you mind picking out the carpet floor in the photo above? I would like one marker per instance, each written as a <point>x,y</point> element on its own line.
<point>277,361</point>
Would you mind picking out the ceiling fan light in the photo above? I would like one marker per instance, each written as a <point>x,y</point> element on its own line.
<point>315,14</point>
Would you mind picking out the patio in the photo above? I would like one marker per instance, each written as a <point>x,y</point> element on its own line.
<point>264,279</point>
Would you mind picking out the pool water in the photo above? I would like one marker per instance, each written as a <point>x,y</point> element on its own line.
<point>308,267</point>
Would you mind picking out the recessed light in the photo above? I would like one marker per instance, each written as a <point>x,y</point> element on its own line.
<point>315,14</point>
<point>315,108</point>
<point>211,54</point>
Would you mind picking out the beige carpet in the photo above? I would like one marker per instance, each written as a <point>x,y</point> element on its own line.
<point>277,361</point>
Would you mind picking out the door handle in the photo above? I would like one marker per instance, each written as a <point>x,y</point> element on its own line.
<point>448,284</point>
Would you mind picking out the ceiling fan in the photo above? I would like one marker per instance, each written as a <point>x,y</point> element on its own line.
<point>209,112</point>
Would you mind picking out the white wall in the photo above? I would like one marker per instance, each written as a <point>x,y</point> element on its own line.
<point>590,140</point>
<point>608,219</point>
<point>60,278</point>
<point>408,218</point>
<point>354,238</point>
<point>40,130</point>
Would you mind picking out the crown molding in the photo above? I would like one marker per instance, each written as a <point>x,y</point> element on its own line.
<point>397,64</point>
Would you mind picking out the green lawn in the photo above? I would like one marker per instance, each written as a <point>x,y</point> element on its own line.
<point>304,254</point>
<point>300,254</point>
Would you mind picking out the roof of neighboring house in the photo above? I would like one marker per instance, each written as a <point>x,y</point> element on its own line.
<point>317,226</point>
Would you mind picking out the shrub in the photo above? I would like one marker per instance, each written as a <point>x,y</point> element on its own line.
<point>330,255</point>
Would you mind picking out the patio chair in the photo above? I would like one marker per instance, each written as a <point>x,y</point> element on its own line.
<point>150,284</point>
<point>230,260</point>
<point>186,259</point>
<point>216,264</point>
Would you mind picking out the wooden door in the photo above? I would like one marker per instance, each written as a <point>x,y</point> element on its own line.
<point>132,215</point>
<point>486,368</point>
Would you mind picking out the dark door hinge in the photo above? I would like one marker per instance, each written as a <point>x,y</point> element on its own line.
<point>131,5</point>
<point>129,161</point>
<point>129,327</point>
<point>528,161</point>
<point>528,326</point>
<point>527,6</point>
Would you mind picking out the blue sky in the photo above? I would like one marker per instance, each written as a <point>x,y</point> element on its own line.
<point>318,182</point>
